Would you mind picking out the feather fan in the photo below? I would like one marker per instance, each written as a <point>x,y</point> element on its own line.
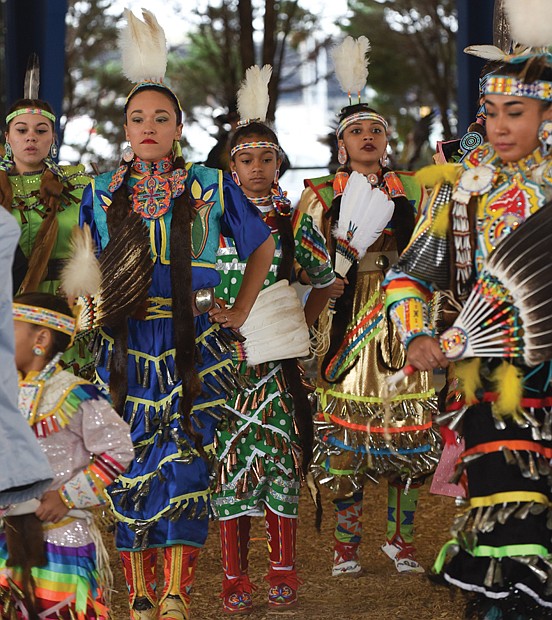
<point>127,268</point>
<point>530,21</point>
<point>81,273</point>
<point>253,96</point>
<point>489,52</point>
<point>351,64</point>
<point>32,78</point>
<point>509,311</point>
<point>365,212</point>
<point>143,48</point>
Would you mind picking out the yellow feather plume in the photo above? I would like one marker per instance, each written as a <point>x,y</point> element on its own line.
<point>469,378</point>
<point>507,380</point>
<point>440,224</point>
<point>430,176</point>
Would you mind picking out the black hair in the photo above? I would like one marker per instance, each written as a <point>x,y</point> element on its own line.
<point>160,89</point>
<point>60,341</point>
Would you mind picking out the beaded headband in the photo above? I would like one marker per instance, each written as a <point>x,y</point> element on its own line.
<point>44,317</point>
<point>38,111</point>
<point>254,145</point>
<point>514,87</point>
<point>360,116</point>
<point>158,85</point>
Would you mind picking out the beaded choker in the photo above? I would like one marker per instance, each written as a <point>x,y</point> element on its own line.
<point>38,111</point>
<point>44,317</point>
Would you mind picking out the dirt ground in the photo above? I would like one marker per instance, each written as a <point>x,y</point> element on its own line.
<point>379,594</point>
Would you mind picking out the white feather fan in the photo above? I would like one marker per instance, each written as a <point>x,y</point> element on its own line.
<point>351,64</point>
<point>489,52</point>
<point>143,48</point>
<point>81,275</point>
<point>530,21</point>
<point>253,96</point>
<point>365,212</point>
<point>276,311</point>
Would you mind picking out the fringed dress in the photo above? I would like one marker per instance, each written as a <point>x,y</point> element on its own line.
<point>502,542</point>
<point>87,446</point>
<point>259,449</point>
<point>163,498</point>
<point>30,213</point>
<point>351,420</point>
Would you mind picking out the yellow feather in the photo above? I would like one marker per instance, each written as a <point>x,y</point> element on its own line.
<point>469,378</point>
<point>440,224</point>
<point>432,175</point>
<point>508,383</point>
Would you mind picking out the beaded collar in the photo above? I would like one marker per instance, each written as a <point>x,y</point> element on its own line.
<point>158,185</point>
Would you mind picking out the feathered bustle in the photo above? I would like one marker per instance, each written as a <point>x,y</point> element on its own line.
<point>32,78</point>
<point>429,176</point>
<point>351,63</point>
<point>253,96</point>
<point>81,275</point>
<point>530,21</point>
<point>143,47</point>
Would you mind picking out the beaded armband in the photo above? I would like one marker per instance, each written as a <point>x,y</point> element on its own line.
<point>411,318</point>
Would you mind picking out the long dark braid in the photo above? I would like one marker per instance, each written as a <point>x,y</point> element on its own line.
<point>118,370</point>
<point>183,319</point>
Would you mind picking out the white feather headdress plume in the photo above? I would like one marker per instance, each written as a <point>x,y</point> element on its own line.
<point>530,21</point>
<point>253,96</point>
<point>351,64</point>
<point>143,47</point>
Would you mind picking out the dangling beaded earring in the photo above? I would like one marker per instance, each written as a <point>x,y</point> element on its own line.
<point>8,150</point>
<point>39,350</point>
<point>342,155</point>
<point>54,151</point>
<point>276,176</point>
<point>236,178</point>
<point>128,153</point>
<point>545,137</point>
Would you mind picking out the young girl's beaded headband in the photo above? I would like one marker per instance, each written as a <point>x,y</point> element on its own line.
<point>38,111</point>
<point>45,318</point>
<point>254,145</point>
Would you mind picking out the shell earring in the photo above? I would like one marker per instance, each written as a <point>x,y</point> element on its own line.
<point>342,155</point>
<point>276,176</point>
<point>236,178</point>
<point>384,160</point>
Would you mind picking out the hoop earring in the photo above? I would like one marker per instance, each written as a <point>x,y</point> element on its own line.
<point>54,151</point>
<point>8,150</point>
<point>276,176</point>
<point>39,350</point>
<point>545,137</point>
<point>236,178</point>
<point>128,153</point>
<point>342,155</point>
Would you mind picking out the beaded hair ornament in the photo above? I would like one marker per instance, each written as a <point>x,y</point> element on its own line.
<point>45,318</point>
<point>253,102</point>
<point>531,32</point>
<point>144,53</point>
<point>351,69</point>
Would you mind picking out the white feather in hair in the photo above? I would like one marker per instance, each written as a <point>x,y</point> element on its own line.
<point>253,96</point>
<point>351,64</point>
<point>81,273</point>
<point>530,21</point>
<point>143,47</point>
<point>32,78</point>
